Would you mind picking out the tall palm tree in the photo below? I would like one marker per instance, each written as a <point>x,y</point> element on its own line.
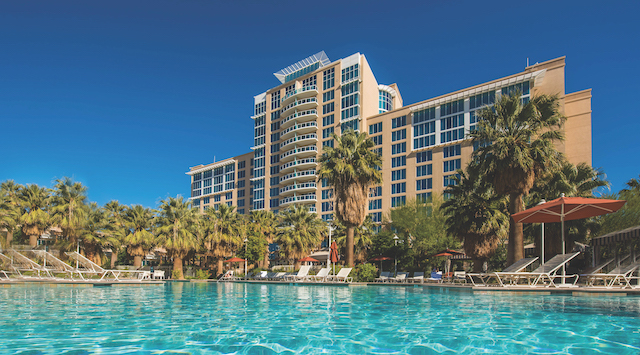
<point>35,219</point>
<point>299,232</point>
<point>263,224</point>
<point>351,168</point>
<point>93,237</point>
<point>517,146</point>
<point>224,236</point>
<point>174,229</point>
<point>362,238</point>
<point>633,185</point>
<point>476,215</point>
<point>10,213</point>
<point>139,238</point>
<point>69,210</point>
<point>115,229</point>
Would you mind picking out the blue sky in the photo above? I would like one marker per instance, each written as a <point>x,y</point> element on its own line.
<point>125,96</point>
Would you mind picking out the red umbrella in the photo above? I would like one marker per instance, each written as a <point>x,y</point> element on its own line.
<point>444,254</point>
<point>380,258</point>
<point>334,252</point>
<point>308,258</point>
<point>567,209</point>
<point>234,260</point>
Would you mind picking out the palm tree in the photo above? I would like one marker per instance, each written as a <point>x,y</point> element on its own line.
<point>139,238</point>
<point>351,168</point>
<point>517,146</point>
<point>263,224</point>
<point>93,237</point>
<point>299,232</point>
<point>35,219</point>
<point>10,212</point>
<point>633,185</point>
<point>175,230</point>
<point>115,229</point>
<point>224,237</point>
<point>69,210</point>
<point>476,215</point>
<point>362,238</point>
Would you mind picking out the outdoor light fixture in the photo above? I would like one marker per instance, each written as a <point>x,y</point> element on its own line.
<point>395,268</point>
<point>246,243</point>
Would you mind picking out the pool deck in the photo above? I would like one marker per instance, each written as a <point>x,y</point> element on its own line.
<point>77,283</point>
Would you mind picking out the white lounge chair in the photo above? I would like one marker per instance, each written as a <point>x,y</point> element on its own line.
<point>547,271</point>
<point>401,277</point>
<point>22,263</point>
<point>86,266</point>
<point>622,275</point>
<point>418,276</point>
<point>158,274</point>
<point>321,275</point>
<point>302,274</point>
<point>384,276</point>
<point>278,276</point>
<point>227,276</point>
<point>518,266</point>
<point>459,276</point>
<point>342,276</point>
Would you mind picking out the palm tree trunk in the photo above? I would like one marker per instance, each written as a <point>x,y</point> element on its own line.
<point>515,249</point>
<point>220,266</point>
<point>114,258</point>
<point>177,266</point>
<point>477,265</point>
<point>348,253</point>
<point>33,240</point>
<point>9,237</point>
<point>137,261</point>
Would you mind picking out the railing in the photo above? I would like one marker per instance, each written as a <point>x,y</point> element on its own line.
<point>309,148</point>
<point>299,102</point>
<point>294,92</point>
<point>309,197</point>
<point>298,126</point>
<point>298,114</point>
<point>298,186</point>
<point>298,174</point>
<point>298,162</point>
<point>298,138</point>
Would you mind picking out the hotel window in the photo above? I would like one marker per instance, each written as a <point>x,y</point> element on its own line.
<point>275,125</point>
<point>289,89</point>
<point>240,193</point>
<point>377,140</point>
<point>523,88</point>
<point>327,194</point>
<point>398,161</point>
<point>398,201</point>
<point>399,174</point>
<point>275,100</point>
<point>399,122</point>
<point>375,191</point>
<point>274,116</point>
<point>424,135</point>
<point>451,165</point>
<point>375,128</point>
<point>399,148</point>
<point>328,143</point>
<point>275,159</point>
<point>376,217</point>
<point>423,197</point>
<point>206,191</point>
<point>424,170</point>
<point>451,108</point>
<point>258,205</point>
<point>328,78</point>
<point>207,183</point>
<point>196,203</point>
<point>275,137</point>
<point>398,188</point>
<point>327,217</point>
<point>274,191</point>
<point>385,101</point>
<point>328,96</point>
<point>197,176</point>
<point>399,135</point>
<point>353,125</point>
<point>325,182</point>
<point>487,98</point>
<point>449,180</point>
<point>260,108</point>
<point>228,195</point>
<point>424,184</point>
<point>310,81</point>
<point>350,73</point>
<point>452,151</point>
<point>452,128</point>
<point>377,151</point>
<point>274,170</point>
<point>216,198</point>
<point>421,157</point>
<point>327,206</point>
<point>327,120</point>
<point>350,100</point>
<point>275,180</point>
<point>196,185</point>
<point>205,200</point>
<point>241,211</point>
<point>275,148</point>
<point>241,165</point>
<point>241,174</point>
<point>375,204</point>
<point>274,202</point>
<point>241,183</point>
<point>327,108</point>
<point>207,174</point>
<point>241,203</point>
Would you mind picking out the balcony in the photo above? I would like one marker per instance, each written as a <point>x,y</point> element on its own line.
<point>304,175</point>
<point>300,164</point>
<point>299,116</point>
<point>296,199</point>
<point>301,128</point>
<point>306,91</point>
<point>299,105</point>
<point>300,188</point>
<point>301,152</point>
<point>306,139</point>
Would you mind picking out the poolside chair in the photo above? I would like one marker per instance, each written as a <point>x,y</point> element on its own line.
<point>384,276</point>
<point>459,276</point>
<point>518,266</point>
<point>435,276</point>
<point>547,271</point>
<point>596,269</point>
<point>86,266</point>
<point>622,275</point>
<point>343,275</point>
<point>401,277</point>
<point>303,274</point>
<point>158,274</point>
<point>5,265</point>
<point>227,276</point>
<point>22,263</point>
<point>321,275</point>
<point>261,275</point>
<point>279,276</point>
<point>418,276</point>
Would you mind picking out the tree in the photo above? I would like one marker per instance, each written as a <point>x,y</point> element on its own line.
<point>516,146</point>
<point>175,232</point>
<point>116,228</point>
<point>139,239</point>
<point>35,219</point>
<point>362,238</point>
<point>626,217</point>
<point>10,211</point>
<point>263,224</point>
<point>93,237</point>
<point>351,168</point>
<point>224,237</point>
<point>69,210</point>
<point>299,232</point>
<point>476,215</point>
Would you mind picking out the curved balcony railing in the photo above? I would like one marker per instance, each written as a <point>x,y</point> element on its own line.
<point>300,198</point>
<point>303,186</point>
<point>313,113</point>
<point>302,104</point>
<point>297,162</point>
<point>302,126</point>
<point>312,136</point>
<point>296,151</point>
<point>307,89</point>
<point>299,174</point>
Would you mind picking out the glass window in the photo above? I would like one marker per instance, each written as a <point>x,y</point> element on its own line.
<point>375,128</point>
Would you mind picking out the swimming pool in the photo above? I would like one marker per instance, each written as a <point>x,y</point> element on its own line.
<point>239,318</point>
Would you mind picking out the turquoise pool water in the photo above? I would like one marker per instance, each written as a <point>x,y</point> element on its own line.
<point>189,318</point>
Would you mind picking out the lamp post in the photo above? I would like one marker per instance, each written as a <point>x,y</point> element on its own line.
<point>395,268</point>
<point>542,202</point>
<point>331,228</point>
<point>246,243</point>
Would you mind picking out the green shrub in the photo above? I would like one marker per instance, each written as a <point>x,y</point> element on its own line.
<point>202,274</point>
<point>175,274</point>
<point>365,273</point>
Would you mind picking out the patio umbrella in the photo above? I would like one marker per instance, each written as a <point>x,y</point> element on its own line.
<point>567,209</point>
<point>308,258</point>
<point>380,258</point>
<point>333,254</point>
<point>235,259</point>
<point>446,264</point>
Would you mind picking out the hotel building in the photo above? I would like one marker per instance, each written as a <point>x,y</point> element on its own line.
<point>421,144</point>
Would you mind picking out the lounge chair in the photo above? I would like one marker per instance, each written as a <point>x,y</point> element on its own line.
<point>459,276</point>
<point>158,274</point>
<point>227,276</point>
<point>621,275</point>
<point>321,275</point>
<point>401,277</point>
<point>518,266</point>
<point>303,274</point>
<point>596,269</point>
<point>435,276</point>
<point>418,276</point>
<point>384,276</point>
<point>86,266</point>
<point>22,263</point>
<point>342,276</point>
<point>547,271</point>
<point>279,276</point>
<point>261,275</point>
<point>6,265</point>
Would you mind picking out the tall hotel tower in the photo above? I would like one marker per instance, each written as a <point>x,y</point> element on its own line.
<point>421,144</point>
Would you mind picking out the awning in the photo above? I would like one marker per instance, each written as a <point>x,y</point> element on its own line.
<point>616,237</point>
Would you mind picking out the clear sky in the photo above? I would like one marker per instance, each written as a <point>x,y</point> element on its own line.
<point>125,96</point>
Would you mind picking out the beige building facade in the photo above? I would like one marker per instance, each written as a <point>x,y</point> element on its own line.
<point>421,144</point>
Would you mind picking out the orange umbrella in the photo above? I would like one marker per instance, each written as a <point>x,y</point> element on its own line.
<point>235,259</point>
<point>334,252</point>
<point>308,258</point>
<point>444,254</point>
<point>380,258</point>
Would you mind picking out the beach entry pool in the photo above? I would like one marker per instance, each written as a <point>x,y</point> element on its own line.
<point>236,318</point>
